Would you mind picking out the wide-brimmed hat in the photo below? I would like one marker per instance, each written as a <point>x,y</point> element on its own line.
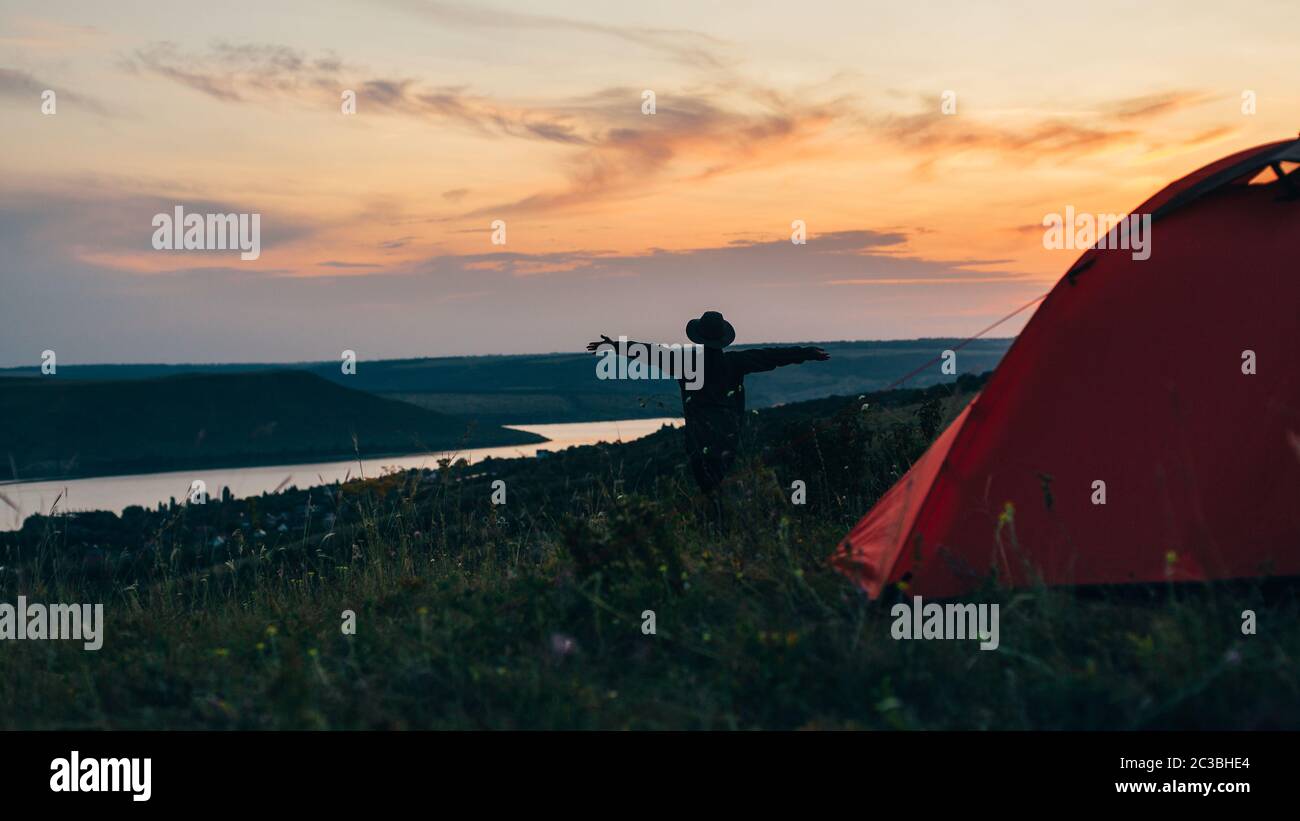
<point>711,330</point>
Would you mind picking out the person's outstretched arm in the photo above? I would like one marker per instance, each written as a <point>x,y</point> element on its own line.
<point>756,360</point>
<point>613,343</point>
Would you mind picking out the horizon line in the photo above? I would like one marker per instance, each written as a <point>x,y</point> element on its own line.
<point>301,362</point>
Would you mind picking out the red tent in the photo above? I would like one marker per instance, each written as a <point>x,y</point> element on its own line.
<point>1131,373</point>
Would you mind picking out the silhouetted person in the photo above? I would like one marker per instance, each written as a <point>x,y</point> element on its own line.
<point>715,411</point>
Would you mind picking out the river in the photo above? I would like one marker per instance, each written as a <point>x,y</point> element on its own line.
<point>116,493</point>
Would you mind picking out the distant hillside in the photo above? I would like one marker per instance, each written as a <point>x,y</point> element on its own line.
<point>562,387</point>
<point>62,427</point>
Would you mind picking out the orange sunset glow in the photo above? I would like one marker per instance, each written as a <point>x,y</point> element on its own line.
<point>377,225</point>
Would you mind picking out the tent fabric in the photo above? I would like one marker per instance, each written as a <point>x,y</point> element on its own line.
<point>1129,374</point>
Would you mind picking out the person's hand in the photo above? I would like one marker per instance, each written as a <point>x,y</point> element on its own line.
<point>818,355</point>
<point>604,340</point>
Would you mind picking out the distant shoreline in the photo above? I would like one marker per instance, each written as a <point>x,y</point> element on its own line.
<point>115,493</point>
<point>255,462</point>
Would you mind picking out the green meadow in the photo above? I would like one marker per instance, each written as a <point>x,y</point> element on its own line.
<point>534,613</point>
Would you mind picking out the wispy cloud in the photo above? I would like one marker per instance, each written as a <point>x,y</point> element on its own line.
<point>338,264</point>
<point>112,227</point>
<point>242,72</point>
<point>48,36</point>
<point>690,47</point>
<point>852,257</point>
<point>1121,122</point>
<point>705,133</point>
<point>1148,106</point>
<point>21,85</point>
<point>721,126</point>
<point>689,138</point>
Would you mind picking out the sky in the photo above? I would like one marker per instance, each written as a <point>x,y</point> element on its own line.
<point>377,226</point>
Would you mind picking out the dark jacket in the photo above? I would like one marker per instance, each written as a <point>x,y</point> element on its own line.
<point>715,412</point>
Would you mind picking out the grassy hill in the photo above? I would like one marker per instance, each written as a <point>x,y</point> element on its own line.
<point>56,427</point>
<point>562,387</point>
<point>529,614</point>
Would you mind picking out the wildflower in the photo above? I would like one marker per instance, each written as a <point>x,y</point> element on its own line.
<point>563,645</point>
<point>221,652</point>
<point>889,704</point>
<point>1171,557</point>
<point>272,630</point>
